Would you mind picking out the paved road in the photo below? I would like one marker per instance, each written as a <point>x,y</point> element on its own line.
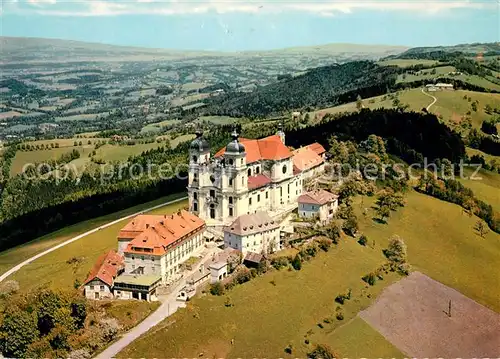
<point>429,95</point>
<point>29,260</point>
<point>167,308</point>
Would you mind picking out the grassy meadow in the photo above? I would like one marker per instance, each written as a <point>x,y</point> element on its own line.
<point>407,62</point>
<point>440,240</point>
<point>486,188</point>
<point>52,268</point>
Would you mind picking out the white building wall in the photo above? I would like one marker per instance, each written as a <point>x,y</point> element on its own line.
<point>97,289</point>
<point>265,241</point>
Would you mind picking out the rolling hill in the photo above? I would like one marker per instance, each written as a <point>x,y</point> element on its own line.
<point>26,50</point>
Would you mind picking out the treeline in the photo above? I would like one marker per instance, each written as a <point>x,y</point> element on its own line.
<point>483,143</point>
<point>405,131</point>
<point>453,191</point>
<point>318,88</point>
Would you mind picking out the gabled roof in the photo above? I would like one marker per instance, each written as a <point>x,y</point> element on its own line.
<point>319,197</point>
<point>258,181</point>
<point>305,158</point>
<point>251,224</point>
<point>138,225</point>
<point>168,230</point>
<point>106,268</point>
<point>316,147</point>
<point>268,148</point>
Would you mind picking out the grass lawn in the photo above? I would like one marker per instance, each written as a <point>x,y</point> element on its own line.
<point>284,307</point>
<point>267,317</point>
<point>426,74</point>
<point>110,153</point>
<point>219,120</point>
<point>356,336</point>
<point>53,268</point>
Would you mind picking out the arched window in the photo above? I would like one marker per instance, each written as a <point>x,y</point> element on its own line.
<point>212,211</point>
<point>195,207</point>
<point>230,200</point>
<point>195,195</point>
<point>195,159</point>
<point>249,172</point>
<point>230,181</point>
<point>230,161</point>
<point>257,170</point>
<point>284,169</point>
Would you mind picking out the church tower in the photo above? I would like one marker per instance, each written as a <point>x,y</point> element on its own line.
<point>280,132</point>
<point>236,178</point>
<point>199,158</point>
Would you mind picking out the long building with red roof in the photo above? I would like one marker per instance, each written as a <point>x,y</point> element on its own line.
<point>248,176</point>
<point>156,245</point>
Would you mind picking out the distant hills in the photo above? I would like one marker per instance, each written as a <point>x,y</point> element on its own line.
<point>475,48</point>
<point>32,50</point>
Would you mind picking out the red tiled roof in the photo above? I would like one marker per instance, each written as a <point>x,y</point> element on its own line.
<point>258,181</point>
<point>316,147</point>
<point>138,225</point>
<point>305,158</point>
<point>106,268</point>
<point>171,228</point>
<point>268,148</point>
<point>317,197</point>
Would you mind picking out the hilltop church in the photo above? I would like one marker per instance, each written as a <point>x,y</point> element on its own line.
<point>248,176</point>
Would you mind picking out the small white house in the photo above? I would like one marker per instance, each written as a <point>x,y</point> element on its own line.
<point>319,204</point>
<point>256,232</point>
<point>218,271</point>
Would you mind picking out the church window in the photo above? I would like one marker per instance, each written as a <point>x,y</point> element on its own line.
<point>230,181</point>
<point>267,195</point>
<point>195,195</point>
<point>284,169</point>
<point>195,207</point>
<point>195,159</point>
<point>212,178</point>
<point>250,201</point>
<point>249,172</point>
<point>230,200</point>
<point>258,198</point>
<point>281,191</point>
<point>257,170</point>
<point>212,193</point>
<point>230,212</point>
<point>230,161</point>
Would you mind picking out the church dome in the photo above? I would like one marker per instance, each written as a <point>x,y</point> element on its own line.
<point>199,143</point>
<point>235,147</point>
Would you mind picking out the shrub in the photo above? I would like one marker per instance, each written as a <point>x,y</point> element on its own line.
<point>322,351</point>
<point>339,314</point>
<point>363,240</point>
<point>370,278</point>
<point>216,289</point>
<point>109,328</point>
<point>228,302</point>
<point>288,349</point>
<point>9,287</point>
<point>324,244</point>
<point>350,225</point>
<point>242,276</point>
<point>280,262</point>
<point>297,263</point>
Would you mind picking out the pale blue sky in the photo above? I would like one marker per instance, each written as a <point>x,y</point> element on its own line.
<point>231,25</point>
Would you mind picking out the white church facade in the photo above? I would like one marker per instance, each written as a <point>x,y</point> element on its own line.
<point>248,176</point>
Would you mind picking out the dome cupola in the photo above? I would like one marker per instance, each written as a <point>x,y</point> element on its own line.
<point>235,147</point>
<point>199,143</point>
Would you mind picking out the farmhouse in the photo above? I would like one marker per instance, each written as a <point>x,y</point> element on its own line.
<point>319,204</point>
<point>438,86</point>
<point>248,176</point>
<point>99,283</point>
<point>256,232</point>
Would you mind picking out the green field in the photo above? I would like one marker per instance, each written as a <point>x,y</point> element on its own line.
<point>219,120</point>
<point>450,105</point>
<point>52,269</point>
<point>487,157</point>
<point>268,317</point>
<point>24,157</point>
<point>487,188</point>
<point>407,62</point>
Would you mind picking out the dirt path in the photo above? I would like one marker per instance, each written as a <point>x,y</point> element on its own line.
<point>429,95</point>
<point>71,240</point>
